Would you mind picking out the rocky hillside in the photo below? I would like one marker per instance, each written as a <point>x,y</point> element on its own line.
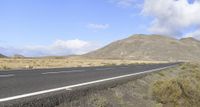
<point>150,47</point>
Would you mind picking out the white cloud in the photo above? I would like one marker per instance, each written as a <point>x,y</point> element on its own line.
<point>171,17</point>
<point>58,48</point>
<point>98,26</point>
<point>71,44</point>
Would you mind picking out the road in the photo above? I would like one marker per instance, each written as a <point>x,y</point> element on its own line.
<point>24,83</point>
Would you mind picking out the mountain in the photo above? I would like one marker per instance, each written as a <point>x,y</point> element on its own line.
<point>2,56</point>
<point>150,47</point>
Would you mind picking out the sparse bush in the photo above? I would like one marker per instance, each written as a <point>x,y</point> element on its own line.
<point>99,101</point>
<point>159,105</point>
<point>29,67</point>
<point>191,90</point>
<point>161,74</point>
<point>5,67</point>
<point>79,66</point>
<point>183,91</point>
<point>166,91</point>
<point>110,64</point>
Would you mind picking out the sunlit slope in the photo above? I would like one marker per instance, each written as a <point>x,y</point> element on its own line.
<point>150,47</point>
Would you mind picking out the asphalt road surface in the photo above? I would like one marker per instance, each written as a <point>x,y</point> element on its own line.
<point>19,83</point>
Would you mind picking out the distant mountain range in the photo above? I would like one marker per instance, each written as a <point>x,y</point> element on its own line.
<point>2,56</point>
<point>150,47</point>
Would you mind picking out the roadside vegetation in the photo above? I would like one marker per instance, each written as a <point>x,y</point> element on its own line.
<point>33,63</point>
<point>182,90</point>
<point>174,87</point>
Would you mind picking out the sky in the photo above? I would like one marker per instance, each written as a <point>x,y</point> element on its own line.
<point>65,27</point>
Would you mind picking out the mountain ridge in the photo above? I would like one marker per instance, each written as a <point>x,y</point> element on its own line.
<point>2,56</point>
<point>150,47</point>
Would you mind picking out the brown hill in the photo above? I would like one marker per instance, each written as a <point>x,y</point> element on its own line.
<point>150,47</point>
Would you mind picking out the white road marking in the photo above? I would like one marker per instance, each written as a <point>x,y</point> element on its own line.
<point>8,75</point>
<point>78,85</point>
<point>99,69</point>
<point>63,72</point>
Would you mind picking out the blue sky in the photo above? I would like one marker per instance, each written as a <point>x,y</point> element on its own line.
<point>31,27</point>
<point>43,21</point>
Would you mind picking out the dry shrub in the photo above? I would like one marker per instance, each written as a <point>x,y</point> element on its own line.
<point>191,90</point>
<point>182,91</point>
<point>99,101</point>
<point>5,67</point>
<point>166,91</point>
